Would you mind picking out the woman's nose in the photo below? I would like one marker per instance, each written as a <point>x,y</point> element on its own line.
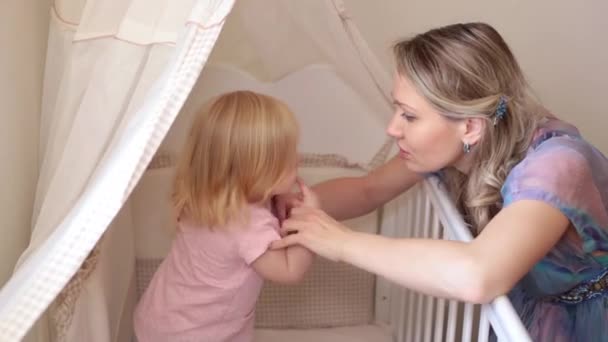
<point>394,128</point>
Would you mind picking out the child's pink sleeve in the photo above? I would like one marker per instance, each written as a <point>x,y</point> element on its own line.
<point>257,238</point>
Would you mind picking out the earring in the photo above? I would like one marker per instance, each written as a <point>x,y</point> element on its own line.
<point>466,147</point>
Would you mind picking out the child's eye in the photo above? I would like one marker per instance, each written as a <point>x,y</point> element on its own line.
<point>407,116</point>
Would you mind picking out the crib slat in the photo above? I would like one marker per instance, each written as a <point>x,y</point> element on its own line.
<point>439,320</point>
<point>438,233</point>
<point>410,317</point>
<point>420,317</point>
<point>484,326</point>
<point>413,218</point>
<point>437,230</point>
<point>419,214</point>
<point>403,314</point>
<point>428,218</point>
<point>422,227</point>
<point>450,335</point>
<point>428,319</point>
<point>467,323</point>
<point>406,230</point>
<point>414,296</point>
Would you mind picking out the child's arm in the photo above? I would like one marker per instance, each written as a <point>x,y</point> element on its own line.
<point>286,266</point>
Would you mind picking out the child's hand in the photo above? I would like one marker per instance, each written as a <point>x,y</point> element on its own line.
<point>315,230</point>
<point>283,203</point>
<point>308,197</point>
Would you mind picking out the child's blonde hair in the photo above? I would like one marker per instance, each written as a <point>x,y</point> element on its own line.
<point>239,148</point>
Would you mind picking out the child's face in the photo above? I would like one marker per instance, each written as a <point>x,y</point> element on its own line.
<point>288,181</point>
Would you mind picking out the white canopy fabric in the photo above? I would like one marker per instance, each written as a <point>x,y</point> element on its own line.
<point>117,74</point>
<point>272,39</point>
<point>111,92</point>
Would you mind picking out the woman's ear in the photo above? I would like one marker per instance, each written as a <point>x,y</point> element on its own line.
<point>472,130</point>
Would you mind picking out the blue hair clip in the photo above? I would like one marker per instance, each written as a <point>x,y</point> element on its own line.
<point>501,109</point>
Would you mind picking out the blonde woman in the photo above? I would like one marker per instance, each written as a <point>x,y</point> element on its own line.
<point>241,151</point>
<point>534,192</point>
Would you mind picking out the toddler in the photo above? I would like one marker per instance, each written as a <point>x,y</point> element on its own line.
<point>241,151</point>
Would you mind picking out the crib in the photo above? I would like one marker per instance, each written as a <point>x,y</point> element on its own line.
<point>430,213</point>
<point>329,69</point>
<point>337,302</point>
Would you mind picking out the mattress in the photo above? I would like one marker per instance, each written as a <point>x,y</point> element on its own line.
<point>361,333</point>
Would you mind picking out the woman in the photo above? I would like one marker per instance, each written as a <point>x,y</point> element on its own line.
<point>534,192</point>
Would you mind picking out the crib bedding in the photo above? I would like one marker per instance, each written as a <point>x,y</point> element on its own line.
<point>332,294</point>
<point>360,333</point>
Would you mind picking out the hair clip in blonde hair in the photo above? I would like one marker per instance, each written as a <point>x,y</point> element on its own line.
<point>501,109</point>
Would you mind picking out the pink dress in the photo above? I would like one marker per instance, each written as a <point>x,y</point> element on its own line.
<point>206,290</point>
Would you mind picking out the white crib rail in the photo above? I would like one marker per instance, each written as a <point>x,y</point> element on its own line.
<point>429,213</point>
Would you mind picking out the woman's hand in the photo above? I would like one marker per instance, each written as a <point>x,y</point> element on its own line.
<point>315,230</point>
<point>285,202</point>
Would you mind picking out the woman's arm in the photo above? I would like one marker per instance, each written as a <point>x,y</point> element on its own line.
<point>348,197</point>
<point>345,198</point>
<point>518,237</point>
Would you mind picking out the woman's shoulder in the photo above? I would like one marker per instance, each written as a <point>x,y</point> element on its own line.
<point>557,142</point>
<point>559,161</point>
<point>552,126</point>
<point>566,172</point>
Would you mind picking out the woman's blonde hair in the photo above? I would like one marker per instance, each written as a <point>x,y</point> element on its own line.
<point>239,148</point>
<point>463,70</point>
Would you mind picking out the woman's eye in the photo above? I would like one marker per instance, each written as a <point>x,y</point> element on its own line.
<point>407,116</point>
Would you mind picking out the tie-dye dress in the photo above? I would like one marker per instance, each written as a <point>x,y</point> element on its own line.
<point>565,296</point>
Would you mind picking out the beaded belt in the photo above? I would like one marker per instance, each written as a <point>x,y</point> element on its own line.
<point>589,289</point>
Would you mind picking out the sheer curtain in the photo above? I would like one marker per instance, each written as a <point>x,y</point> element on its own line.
<point>270,39</point>
<point>117,74</point>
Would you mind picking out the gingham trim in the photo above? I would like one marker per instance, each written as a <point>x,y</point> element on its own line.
<point>162,160</point>
<point>62,310</point>
<point>165,159</point>
<point>328,160</point>
<point>47,271</point>
<point>382,155</point>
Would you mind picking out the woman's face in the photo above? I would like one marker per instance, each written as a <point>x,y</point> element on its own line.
<point>427,141</point>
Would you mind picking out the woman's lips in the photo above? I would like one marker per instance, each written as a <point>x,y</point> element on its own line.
<point>403,153</point>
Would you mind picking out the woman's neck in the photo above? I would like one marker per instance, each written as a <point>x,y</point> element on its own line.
<point>464,164</point>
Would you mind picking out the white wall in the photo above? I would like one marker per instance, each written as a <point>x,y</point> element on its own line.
<point>23,34</point>
<point>562,45</point>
